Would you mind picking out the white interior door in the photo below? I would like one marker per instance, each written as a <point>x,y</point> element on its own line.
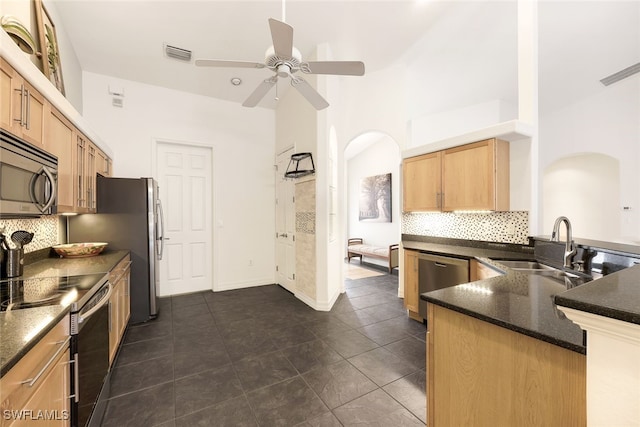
<point>185,180</point>
<point>285,225</point>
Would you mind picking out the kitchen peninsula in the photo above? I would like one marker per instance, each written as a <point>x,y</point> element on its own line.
<point>500,348</point>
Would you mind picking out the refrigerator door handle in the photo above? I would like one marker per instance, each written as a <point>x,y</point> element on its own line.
<point>161,231</point>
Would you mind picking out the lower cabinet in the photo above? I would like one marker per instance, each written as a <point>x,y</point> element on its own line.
<point>411,290</point>
<point>482,374</point>
<point>35,392</point>
<point>119,304</point>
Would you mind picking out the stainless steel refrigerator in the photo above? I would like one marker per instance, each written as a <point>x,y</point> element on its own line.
<point>129,217</point>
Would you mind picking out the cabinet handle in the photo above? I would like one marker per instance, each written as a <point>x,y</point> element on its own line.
<point>109,316</point>
<point>437,200</point>
<point>21,119</point>
<point>27,98</point>
<point>31,381</point>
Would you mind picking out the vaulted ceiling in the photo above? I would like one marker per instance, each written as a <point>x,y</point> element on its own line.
<point>125,39</point>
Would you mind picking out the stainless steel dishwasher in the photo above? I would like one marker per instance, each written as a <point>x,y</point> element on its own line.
<point>437,272</point>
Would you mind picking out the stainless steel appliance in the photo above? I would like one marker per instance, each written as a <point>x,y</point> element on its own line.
<point>87,297</point>
<point>438,272</point>
<point>90,353</point>
<point>129,217</point>
<point>28,179</point>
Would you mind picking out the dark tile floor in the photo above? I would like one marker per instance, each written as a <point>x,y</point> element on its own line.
<point>259,356</point>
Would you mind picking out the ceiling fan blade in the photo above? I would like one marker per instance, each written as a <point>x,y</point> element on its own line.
<point>343,68</point>
<point>260,92</point>
<point>282,36</point>
<point>229,64</point>
<point>309,93</point>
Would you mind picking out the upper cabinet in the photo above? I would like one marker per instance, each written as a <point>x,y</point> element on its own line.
<point>421,183</point>
<point>59,141</point>
<point>476,176</point>
<point>469,177</point>
<point>22,110</point>
<point>26,113</point>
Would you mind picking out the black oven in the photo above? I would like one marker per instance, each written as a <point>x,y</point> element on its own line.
<point>28,179</point>
<point>90,353</point>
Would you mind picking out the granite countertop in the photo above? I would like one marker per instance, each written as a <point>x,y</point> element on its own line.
<point>484,250</point>
<point>20,330</point>
<point>527,303</point>
<point>616,296</point>
<point>516,301</point>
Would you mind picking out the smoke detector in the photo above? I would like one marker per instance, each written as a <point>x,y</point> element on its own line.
<point>236,81</point>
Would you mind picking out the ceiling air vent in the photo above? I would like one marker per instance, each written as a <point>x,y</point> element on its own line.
<point>177,53</point>
<point>616,77</point>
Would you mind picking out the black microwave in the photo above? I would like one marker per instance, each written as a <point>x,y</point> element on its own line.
<point>28,179</point>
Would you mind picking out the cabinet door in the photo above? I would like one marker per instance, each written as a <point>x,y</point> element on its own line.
<point>421,183</point>
<point>114,324</point>
<point>476,176</point>
<point>51,397</point>
<point>103,163</point>
<point>11,111</point>
<point>59,142</point>
<point>33,129</point>
<point>79,173</point>
<point>22,110</point>
<point>90,176</point>
<point>411,292</point>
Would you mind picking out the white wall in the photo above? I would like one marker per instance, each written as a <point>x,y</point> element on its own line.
<point>581,43</point>
<point>243,142</point>
<point>462,74</point>
<point>71,70</point>
<point>378,159</point>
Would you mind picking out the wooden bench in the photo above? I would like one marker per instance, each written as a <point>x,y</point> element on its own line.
<point>357,249</point>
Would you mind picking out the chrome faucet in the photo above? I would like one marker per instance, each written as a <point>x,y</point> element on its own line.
<point>569,249</point>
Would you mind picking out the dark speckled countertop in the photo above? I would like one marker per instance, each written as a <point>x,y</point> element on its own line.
<point>516,301</point>
<point>616,296</point>
<point>527,303</point>
<point>20,330</point>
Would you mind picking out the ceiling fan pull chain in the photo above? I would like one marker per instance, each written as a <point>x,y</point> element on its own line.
<point>277,99</point>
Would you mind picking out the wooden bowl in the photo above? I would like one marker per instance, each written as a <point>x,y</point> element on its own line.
<point>79,250</point>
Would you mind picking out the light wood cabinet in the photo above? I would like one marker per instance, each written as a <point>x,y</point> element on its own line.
<point>22,110</point>
<point>39,384</point>
<point>469,177</point>
<point>119,305</point>
<point>479,373</point>
<point>411,289</point>
<point>476,176</point>
<point>479,271</point>
<point>25,113</point>
<point>103,163</point>
<point>421,183</point>
<point>59,141</point>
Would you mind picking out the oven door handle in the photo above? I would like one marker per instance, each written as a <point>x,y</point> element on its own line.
<point>84,316</point>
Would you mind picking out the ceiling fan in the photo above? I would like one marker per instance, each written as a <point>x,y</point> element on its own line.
<point>285,61</point>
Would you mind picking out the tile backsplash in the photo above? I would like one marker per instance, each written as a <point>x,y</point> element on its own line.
<point>46,231</point>
<point>505,227</point>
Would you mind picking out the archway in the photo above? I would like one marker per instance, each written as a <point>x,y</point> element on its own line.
<point>372,154</point>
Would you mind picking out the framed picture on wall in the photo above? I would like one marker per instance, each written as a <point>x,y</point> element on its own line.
<point>375,198</point>
<point>51,64</point>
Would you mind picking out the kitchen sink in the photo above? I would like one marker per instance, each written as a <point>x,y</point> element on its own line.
<point>525,265</point>
<point>534,267</point>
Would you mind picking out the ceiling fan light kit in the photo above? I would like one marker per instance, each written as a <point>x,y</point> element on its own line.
<point>285,61</point>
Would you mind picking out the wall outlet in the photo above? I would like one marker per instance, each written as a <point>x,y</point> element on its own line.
<point>511,229</point>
